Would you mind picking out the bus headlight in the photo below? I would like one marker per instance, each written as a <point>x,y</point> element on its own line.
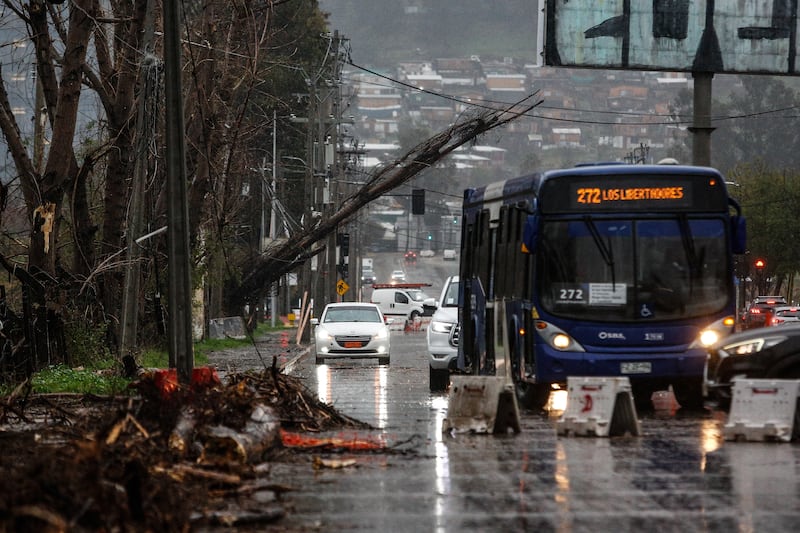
<point>713,333</point>
<point>561,341</point>
<point>708,337</point>
<point>556,337</point>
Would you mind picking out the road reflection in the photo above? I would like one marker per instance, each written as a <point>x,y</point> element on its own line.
<point>327,375</point>
<point>442,462</point>
<point>678,475</point>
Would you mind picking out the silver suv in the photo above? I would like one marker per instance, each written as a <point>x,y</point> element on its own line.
<point>443,336</point>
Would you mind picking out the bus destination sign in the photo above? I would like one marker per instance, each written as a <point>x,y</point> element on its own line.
<point>631,192</point>
<point>619,196</point>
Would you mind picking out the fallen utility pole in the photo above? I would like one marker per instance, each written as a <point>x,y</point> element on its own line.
<point>286,257</point>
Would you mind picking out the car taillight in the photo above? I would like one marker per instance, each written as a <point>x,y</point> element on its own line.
<point>755,311</point>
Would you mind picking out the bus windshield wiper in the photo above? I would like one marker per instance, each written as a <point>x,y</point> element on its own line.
<point>688,247</point>
<point>606,251</point>
<point>694,258</point>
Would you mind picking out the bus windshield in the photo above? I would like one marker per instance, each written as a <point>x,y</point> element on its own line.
<point>625,269</point>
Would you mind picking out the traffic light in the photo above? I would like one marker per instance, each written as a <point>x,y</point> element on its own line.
<point>430,237</point>
<point>344,243</point>
<point>760,264</point>
<point>418,201</point>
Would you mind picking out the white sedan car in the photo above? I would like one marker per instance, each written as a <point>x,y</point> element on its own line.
<point>351,330</point>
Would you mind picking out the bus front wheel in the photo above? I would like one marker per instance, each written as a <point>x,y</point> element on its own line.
<point>532,396</point>
<point>689,394</point>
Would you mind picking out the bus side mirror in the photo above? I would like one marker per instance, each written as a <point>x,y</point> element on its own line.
<point>738,235</point>
<point>529,234</point>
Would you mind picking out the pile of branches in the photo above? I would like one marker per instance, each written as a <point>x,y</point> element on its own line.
<point>161,460</point>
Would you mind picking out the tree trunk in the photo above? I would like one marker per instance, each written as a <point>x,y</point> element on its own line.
<point>47,214</point>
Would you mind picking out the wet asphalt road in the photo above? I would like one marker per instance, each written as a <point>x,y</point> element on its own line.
<point>679,475</point>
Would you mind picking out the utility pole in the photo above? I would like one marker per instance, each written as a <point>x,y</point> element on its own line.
<point>149,69</point>
<point>701,119</point>
<point>273,306</point>
<point>181,354</point>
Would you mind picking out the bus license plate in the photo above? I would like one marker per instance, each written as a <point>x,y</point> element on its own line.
<point>636,368</point>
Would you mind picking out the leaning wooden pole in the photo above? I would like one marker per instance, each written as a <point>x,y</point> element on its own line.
<point>181,355</point>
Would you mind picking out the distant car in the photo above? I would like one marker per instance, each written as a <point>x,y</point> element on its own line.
<point>771,353</point>
<point>410,256</point>
<point>785,314</point>
<point>449,255</point>
<point>352,330</point>
<point>396,302</point>
<point>760,312</point>
<point>421,297</point>
<point>776,299</point>
<point>367,277</point>
<point>426,253</point>
<point>398,276</point>
<point>443,332</point>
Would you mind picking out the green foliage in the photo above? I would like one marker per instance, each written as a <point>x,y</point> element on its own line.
<point>78,380</point>
<point>159,358</point>
<point>769,197</point>
<point>103,375</point>
<point>763,104</point>
<point>86,343</point>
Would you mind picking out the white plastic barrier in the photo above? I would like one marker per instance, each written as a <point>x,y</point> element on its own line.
<point>764,409</point>
<point>481,404</point>
<point>599,406</point>
<point>228,327</point>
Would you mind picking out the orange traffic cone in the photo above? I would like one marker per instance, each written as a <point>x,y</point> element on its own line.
<point>284,339</point>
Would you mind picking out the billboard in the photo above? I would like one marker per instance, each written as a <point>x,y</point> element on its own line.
<point>719,36</point>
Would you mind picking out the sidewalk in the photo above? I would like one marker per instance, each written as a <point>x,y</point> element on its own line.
<point>280,345</point>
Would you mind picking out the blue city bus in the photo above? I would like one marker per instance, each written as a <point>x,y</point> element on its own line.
<point>599,270</point>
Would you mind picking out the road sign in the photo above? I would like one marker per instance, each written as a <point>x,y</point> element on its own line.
<point>342,287</point>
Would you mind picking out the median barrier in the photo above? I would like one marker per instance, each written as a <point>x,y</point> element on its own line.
<point>764,409</point>
<point>599,406</point>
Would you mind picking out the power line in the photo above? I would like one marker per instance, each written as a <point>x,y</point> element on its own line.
<point>670,122</point>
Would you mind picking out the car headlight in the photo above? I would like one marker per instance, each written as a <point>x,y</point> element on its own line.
<point>440,327</point>
<point>382,333</point>
<point>751,346</point>
<point>322,334</point>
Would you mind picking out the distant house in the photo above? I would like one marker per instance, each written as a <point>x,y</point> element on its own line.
<point>496,155</point>
<point>566,137</point>
<point>459,72</point>
<point>628,97</point>
<point>507,83</point>
<point>462,160</point>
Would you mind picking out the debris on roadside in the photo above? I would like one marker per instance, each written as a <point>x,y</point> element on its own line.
<point>164,459</point>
